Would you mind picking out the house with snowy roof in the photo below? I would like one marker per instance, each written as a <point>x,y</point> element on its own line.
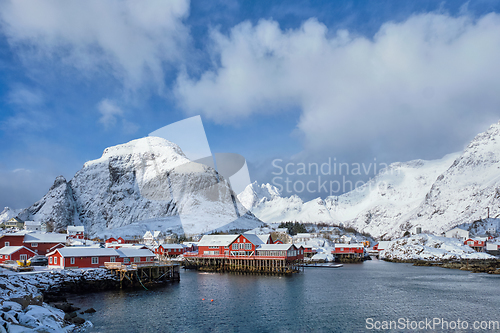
<point>381,246</point>
<point>171,250</point>
<point>458,232</point>
<point>75,231</point>
<point>14,222</point>
<point>477,243</point>
<point>349,250</point>
<point>34,226</point>
<point>287,251</point>
<point>43,243</point>
<point>151,237</point>
<point>15,253</point>
<point>92,257</point>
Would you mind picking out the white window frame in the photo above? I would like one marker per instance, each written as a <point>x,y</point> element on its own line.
<point>112,259</point>
<point>23,257</point>
<point>55,260</point>
<point>34,244</point>
<point>50,260</point>
<point>235,246</point>
<point>95,260</point>
<point>7,244</point>
<point>72,260</point>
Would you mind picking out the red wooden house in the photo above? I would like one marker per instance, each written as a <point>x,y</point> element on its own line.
<point>13,239</point>
<point>308,251</point>
<point>349,250</point>
<point>91,257</point>
<point>43,243</point>
<point>75,231</point>
<point>287,251</point>
<point>81,257</point>
<point>214,245</point>
<point>129,255</point>
<point>171,250</point>
<point>111,240</point>
<point>15,253</point>
<point>478,244</point>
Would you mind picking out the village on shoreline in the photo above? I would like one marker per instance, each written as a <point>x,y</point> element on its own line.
<point>75,263</point>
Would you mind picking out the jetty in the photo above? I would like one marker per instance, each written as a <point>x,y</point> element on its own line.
<point>244,264</point>
<point>144,273</point>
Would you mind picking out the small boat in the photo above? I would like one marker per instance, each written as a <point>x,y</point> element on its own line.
<point>324,265</point>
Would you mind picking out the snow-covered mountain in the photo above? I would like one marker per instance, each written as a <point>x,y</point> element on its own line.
<point>143,183</point>
<point>8,213</point>
<point>434,195</point>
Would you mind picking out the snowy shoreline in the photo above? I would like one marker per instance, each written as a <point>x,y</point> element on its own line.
<point>24,298</point>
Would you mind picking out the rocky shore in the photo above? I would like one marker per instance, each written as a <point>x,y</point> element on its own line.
<point>490,266</point>
<point>37,303</point>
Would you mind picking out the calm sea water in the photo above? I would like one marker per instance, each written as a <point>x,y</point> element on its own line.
<point>317,300</point>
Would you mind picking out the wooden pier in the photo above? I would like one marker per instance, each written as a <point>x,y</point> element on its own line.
<point>144,273</point>
<point>255,264</point>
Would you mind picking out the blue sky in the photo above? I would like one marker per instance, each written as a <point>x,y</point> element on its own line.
<point>303,81</point>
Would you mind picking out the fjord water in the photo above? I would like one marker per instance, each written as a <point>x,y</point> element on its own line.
<point>316,300</point>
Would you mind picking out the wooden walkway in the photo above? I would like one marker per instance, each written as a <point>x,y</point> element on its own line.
<point>144,273</point>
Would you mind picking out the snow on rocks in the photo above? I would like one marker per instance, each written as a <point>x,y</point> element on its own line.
<point>21,301</point>
<point>430,248</point>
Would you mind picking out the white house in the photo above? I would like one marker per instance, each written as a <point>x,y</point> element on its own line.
<point>345,239</point>
<point>302,237</point>
<point>151,238</point>
<point>32,226</point>
<point>457,232</point>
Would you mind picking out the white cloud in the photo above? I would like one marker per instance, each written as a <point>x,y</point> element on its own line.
<point>135,38</point>
<point>24,97</point>
<point>109,113</point>
<point>425,83</point>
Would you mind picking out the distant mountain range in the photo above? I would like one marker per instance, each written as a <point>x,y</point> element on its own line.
<point>149,184</point>
<point>433,195</point>
<point>143,184</point>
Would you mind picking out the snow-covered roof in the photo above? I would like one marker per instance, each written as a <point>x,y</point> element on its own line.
<point>303,235</point>
<point>45,238</point>
<point>479,239</point>
<point>217,240</point>
<point>131,252</point>
<point>254,239</point>
<point>275,247</point>
<point>173,246</point>
<point>349,245</point>
<point>264,238</point>
<point>8,250</point>
<point>32,223</point>
<point>85,251</point>
<point>382,245</point>
<point>75,228</point>
<point>18,233</point>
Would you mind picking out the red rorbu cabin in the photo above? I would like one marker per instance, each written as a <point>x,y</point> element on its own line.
<point>15,253</point>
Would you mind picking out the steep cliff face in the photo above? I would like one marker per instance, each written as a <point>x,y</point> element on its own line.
<point>434,195</point>
<point>466,189</point>
<point>56,207</point>
<point>145,180</point>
